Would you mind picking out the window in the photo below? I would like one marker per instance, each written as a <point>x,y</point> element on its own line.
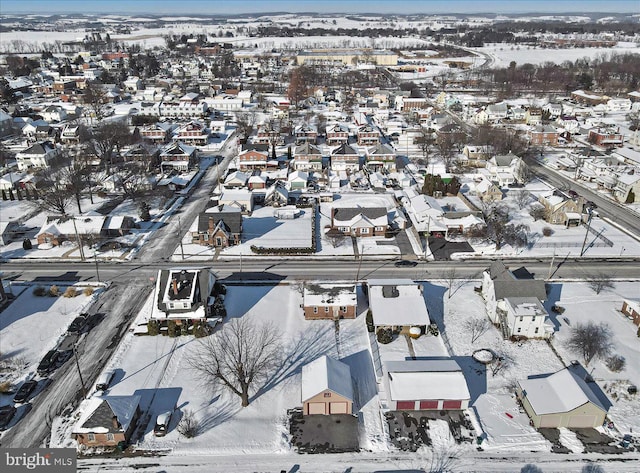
<point>326,309</point>
<point>315,310</point>
<point>533,319</point>
<point>327,394</point>
<point>343,308</point>
<point>110,437</point>
<point>537,328</point>
<point>364,230</point>
<point>91,437</point>
<point>519,329</point>
<point>521,318</point>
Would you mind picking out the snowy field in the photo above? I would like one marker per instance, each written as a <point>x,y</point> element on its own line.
<point>31,326</point>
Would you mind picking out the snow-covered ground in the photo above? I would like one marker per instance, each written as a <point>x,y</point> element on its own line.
<point>32,325</point>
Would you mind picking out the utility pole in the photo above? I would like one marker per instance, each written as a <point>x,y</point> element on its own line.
<point>75,354</point>
<point>95,258</point>
<point>180,237</point>
<point>551,265</point>
<point>80,249</point>
<point>584,242</point>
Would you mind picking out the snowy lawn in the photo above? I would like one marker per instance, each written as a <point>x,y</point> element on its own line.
<point>157,368</point>
<point>31,325</point>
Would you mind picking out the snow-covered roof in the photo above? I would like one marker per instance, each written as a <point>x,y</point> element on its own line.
<point>323,374</point>
<point>426,379</point>
<point>97,414</point>
<point>330,294</point>
<point>559,392</point>
<point>397,302</point>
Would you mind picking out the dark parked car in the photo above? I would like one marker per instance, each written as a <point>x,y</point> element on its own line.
<point>77,325</point>
<point>6,414</point>
<point>48,363</point>
<point>25,391</point>
<point>405,263</point>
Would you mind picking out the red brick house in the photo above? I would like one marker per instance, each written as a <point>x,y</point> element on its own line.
<point>337,134</point>
<point>107,421</point>
<point>368,135</point>
<point>329,301</point>
<point>360,221</point>
<point>219,227</point>
<point>543,135</point>
<point>252,159</point>
<point>606,137</point>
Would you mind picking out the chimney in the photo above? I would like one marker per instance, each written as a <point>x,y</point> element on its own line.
<point>114,422</point>
<point>174,284</point>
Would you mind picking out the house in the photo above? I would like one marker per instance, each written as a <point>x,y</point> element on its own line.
<point>241,198</point>
<point>307,157</point>
<point>360,221</point>
<point>496,112</point>
<point>476,155</point>
<point>11,180</point>
<point>133,84</point>
<point>485,190</point>
<point>185,295</point>
<point>631,308</point>
<point>306,134</point>
<point>505,169</point>
<point>219,226</point>
<point>146,154</point>
<point>368,135</point>
<point>553,109</point>
<point>88,228</point>
<point>177,157</point>
<point>277,195</point>
<point>543,135</point>
<point>526,317</point>
<point>326,387</point>
<point>235,179</point>
<point>569,398</point>
<point>397,304</point>
<point>107,421</point>
<point>607,137</point>
<point>39,155</point>
<point>533,116</point>
<point>627,188</point>
<point>345,158</point>
<point>336,134</point>
<point>193,133</point>
<point>298,180</point>
<point>425,384</point>
<point>70,134</point>
<point>257,180</point>
<point>559,209</point>
<point>499,284</point>
<point>252,159</point>
<point>54,113</point>
<point>381,157</point>
<point>7,232</point>
<point>329,301</point>
<point>117,225</point>
<point>158,133</point>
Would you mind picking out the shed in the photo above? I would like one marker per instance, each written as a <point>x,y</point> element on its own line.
<point>427,384</point>
<point>568,398</point>
<point>326,387</point>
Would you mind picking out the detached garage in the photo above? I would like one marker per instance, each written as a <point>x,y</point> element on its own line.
<point>568,398</point>
<point>326,387</point>
<point>431,384</point>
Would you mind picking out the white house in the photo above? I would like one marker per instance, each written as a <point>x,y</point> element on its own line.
<point>39,155</point>
<point>397,304</point>
<point>505,169</point>
<point>527,317</point>
<point>426,384</point>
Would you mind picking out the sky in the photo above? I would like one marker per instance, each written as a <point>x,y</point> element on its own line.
<point>185,7</point>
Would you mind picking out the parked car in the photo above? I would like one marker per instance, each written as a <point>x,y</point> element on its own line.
<point>104,380</point>
<point>25,391</point>
<point>405,263</point>
<point>6,414</point>
<point>48,363</point>
<point>162,424</point>
<point>78,324</point>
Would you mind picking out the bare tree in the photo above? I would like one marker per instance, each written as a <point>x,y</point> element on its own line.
<point>132,178</point>
<point>522,198</point>
<point>499,230</point>
<point>600,282</point>
<point>444,459</point>
<point>501,362</point>
<point>447,151</point>
<point>477,328</point>
<point>106,139</point>
<point>245,121</point>
<point>537,212</point>
<point>53,194</point>
<point>591,340</point>
<point>425,140</point>
<point>335,237</point>
<point>96,99</point>
<point>450,278</point>
<point>239,357</point>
